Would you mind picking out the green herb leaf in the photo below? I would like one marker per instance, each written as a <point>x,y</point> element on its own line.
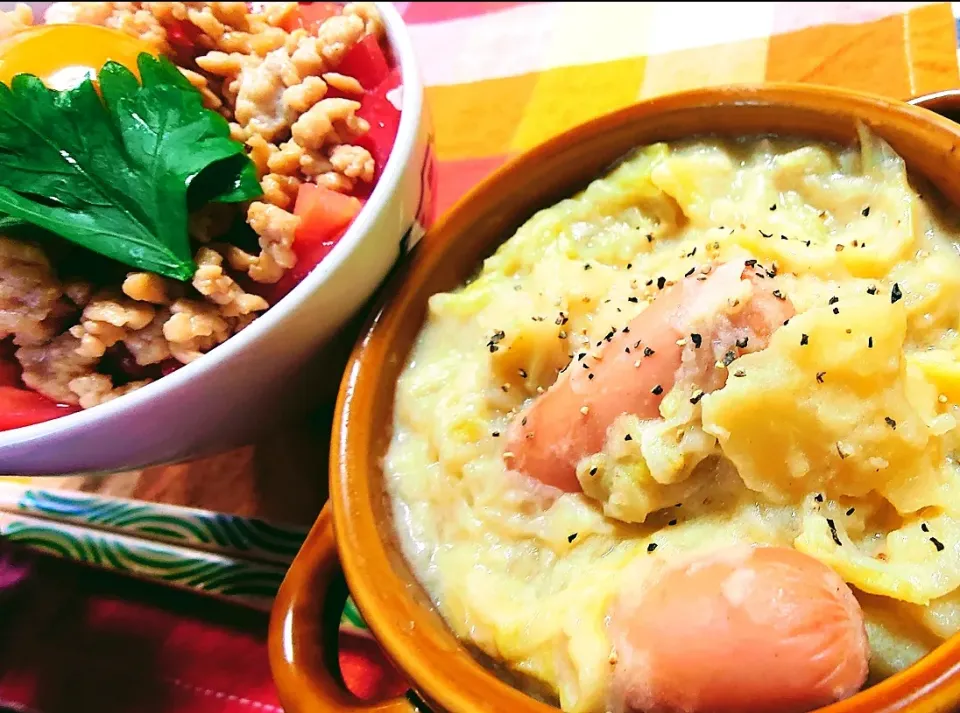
<point>113,175</point>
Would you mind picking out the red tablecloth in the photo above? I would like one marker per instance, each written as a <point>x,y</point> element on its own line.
<point>74,640</point>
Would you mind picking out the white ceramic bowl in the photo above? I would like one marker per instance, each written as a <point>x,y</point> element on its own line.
<point>262,375</point>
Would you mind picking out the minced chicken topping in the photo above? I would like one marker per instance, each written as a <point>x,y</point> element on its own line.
<point>271,85</point>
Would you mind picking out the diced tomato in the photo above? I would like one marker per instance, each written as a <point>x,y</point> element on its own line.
<point>19,407</point>
<point>323,213</point>
<point>325,216</point>
<point>183,36</point>
<point>310,15</point>
<point>365,62</point>
<point>9,366</point>
<point>9,372</point>
<point>384,120</point>
<point>169,366</point>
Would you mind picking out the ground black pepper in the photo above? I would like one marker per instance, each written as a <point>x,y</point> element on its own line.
<point>869,342</point>
<point>656,390</point>
<point>766,235</point>
<point>937,544</point>
<point>804,340</point>
<point>651,547</point>
<point>696,339</point>
<point>661,281</point>
<point>571,537</point>
<point>833,532</point>
<point>647,351</point>
<point>742,342</point>
<point>895,293</point>
<point>820,375</point>
<point>891,422</point>
<point>924,527</point>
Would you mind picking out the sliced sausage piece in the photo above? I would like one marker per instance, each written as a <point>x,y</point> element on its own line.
<point>742,629</point>
<point>632,371</point>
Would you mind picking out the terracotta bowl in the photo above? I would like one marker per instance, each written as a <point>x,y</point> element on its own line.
<point>355,531</point>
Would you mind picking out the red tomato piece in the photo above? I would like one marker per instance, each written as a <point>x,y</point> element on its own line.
<point>384,120</point>
<point>325,216</point>
<point>183,36</point>
<point>9,372</point>
<point>323,213</point>
<point>19,407</point>
<point>366,63</point>
<point>311,15</point>
<point>169,366</point>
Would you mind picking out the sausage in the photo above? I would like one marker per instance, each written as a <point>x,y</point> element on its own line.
<point>632,371</point>
<point>759,629</point>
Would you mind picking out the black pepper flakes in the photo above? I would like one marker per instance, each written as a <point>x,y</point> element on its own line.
<point>523,421</point>
<point>629,265</point>
<point>779,295</point>
<point>647,351</point>
<point>628,437</point>
<point>649,237</point>
<point>872,290</point>
<point>651,547</point>
<point>689,272</point>
<point>818,497</point>
<point>773,207</point>
<point>695,399</point>
<point>634,300</point>
<point>751,263</point>
<point>625,330</point>
<point>572,536</point>
<point>523,373</point>
<point>833,300</point>
<point>587,266</point>
<point>696,339</point>
<point>925,527</point>
<point>851,511</point>
<point>661,281</point>
<point>840,452</point>
<point>593,470</point>
<point>742,342</point>
<point>820,375</point>
<point>890,422</point>
<point>937,544</point>
<point>783,237</point>
<point>833,532</point>
<point>609,335</point>
<point>865,212</point>
<point>672,523</point>
<point>590,376</point>
<point>895,294</point>
<point>869,342</point>
<point>581,355</point>
<point>836,310</point>
<point>728,358</point>
<point>656,390</point>
<point>495,434</point>
<point>804,340</point>
<point>766,235</point>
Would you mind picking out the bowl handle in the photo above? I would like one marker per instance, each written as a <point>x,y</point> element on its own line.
<point>302,643</point>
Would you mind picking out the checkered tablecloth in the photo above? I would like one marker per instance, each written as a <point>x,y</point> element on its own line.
<point>501,77</point>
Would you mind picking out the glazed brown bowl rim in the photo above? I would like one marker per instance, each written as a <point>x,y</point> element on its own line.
<point>368,568</point>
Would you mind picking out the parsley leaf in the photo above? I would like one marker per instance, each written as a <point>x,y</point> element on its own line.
<point>113,175</point>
